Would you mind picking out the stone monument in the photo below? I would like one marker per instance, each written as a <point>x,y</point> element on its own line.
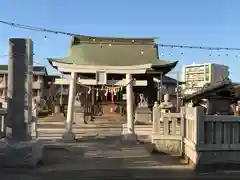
<point>79,116</point>
<point>143,114</point>
<point>18,148</point>
<point>143,102</point>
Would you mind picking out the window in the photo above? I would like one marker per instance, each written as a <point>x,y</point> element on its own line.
<point>35,78</point>
<point>207,77</point>
<point>39,92</point>
<point>1,77</point>
<point>188,83</point>
<point>207,69</point>
<point>198,84</point>
<point>40,78</point>
<point>35,92</point>
<point>1,92</point>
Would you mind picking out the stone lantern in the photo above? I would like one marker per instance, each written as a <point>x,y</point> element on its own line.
<point>166,106</point>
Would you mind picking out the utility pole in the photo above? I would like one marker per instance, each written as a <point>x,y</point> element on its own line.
<point>177,92</point>
<point>61,93</point>
<point>160,88</point>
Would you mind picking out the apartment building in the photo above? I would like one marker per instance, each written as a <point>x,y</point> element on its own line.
<point>39,72</point>
<point>196,76</point>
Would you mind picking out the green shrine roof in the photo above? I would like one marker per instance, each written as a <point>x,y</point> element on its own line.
<point>101,51</point>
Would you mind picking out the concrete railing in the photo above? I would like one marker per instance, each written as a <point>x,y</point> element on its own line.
<point>212,139</point>
<point>168,132</point>
<point>203,139</point>
<point>3,113</point>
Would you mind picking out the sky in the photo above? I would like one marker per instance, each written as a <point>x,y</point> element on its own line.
<point>185,22</point>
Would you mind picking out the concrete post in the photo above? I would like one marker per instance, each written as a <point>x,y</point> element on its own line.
<point>20,150</point>
<point>34,118</point>
<point>156,118</point>
<point>69,135</point>
<point>93,98</point>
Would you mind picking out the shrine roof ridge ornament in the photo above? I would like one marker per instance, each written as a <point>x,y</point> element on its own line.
<point>81,39</point>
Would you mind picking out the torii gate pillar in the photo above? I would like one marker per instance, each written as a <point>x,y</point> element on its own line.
<point>130,136</point>
<point>68,134</point>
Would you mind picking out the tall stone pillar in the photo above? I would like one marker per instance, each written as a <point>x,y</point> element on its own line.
<point>68,134</point>
<point>20,149</point>
<point>19,56</point>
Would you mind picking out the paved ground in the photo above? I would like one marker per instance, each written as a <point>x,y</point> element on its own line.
<point>102,156</point>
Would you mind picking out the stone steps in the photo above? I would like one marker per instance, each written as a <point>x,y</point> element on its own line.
<point>59,134</point>
<point>55,131</point>
<point>54,127</point>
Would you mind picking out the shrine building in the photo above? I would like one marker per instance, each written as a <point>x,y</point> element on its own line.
<point>113,70</point>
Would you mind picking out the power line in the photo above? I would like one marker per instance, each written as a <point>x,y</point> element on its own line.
<point>33,28</point>
<point>199,47</point>
<point>39,29</point>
